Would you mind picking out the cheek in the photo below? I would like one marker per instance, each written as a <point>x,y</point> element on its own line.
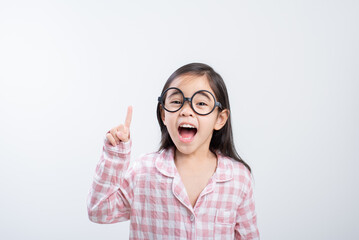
<point>168,120</point>
<point>208,126</point>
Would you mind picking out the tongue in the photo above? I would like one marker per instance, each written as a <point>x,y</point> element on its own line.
<point>187,132</point>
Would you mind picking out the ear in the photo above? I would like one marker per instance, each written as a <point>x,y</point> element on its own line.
<point>221,119</point>
<point>162,115</point>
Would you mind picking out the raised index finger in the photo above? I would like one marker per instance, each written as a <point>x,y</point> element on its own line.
<point>128,117</point>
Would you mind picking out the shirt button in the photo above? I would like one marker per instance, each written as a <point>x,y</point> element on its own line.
<point>192,218</point>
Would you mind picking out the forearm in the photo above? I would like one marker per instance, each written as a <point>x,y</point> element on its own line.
<point>108,199</point>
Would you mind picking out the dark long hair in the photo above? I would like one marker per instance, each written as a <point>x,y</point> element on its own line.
<point>222,139</point>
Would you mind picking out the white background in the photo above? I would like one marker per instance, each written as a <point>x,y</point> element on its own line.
<point>69,69</point>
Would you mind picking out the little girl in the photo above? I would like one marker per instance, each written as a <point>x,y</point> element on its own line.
<point>196,186</point>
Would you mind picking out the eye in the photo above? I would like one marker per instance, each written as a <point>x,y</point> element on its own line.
<point>176,102</point>
<point>202,104</point>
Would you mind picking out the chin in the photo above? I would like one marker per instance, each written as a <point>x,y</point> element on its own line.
<point>185,149</point>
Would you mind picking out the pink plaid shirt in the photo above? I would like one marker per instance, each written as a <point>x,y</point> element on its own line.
<point>151,195</point>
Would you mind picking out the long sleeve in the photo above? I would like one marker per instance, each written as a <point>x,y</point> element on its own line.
<point>109,199</point>
<point>246,226</point>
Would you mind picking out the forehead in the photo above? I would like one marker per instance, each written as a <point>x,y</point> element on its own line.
<point>189,84</point>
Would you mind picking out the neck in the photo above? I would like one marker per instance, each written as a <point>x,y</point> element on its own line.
<point>194,160</point>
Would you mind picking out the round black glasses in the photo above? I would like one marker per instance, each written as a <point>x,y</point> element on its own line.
<point>202,102</point>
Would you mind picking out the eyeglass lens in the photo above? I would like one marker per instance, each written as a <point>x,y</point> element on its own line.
<point>202,102</point>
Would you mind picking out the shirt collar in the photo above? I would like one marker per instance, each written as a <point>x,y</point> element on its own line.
<point>165,164</point>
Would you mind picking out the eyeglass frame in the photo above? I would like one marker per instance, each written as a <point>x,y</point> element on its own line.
<point>216,104</point>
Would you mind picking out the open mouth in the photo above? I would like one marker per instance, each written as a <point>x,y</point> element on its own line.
<point>187,132</point>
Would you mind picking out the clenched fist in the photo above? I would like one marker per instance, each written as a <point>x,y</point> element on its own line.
<point>122,131</point>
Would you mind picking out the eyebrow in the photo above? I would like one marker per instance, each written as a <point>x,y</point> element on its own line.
<point>174,93</point>
<point>204,94</point>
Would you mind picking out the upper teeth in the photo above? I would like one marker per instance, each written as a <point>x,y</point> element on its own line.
<point>186,126</point>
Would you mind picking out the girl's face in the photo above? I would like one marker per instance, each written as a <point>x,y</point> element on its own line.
<point>190,132</point>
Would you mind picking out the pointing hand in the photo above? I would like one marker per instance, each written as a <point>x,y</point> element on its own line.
<point>122,131</point>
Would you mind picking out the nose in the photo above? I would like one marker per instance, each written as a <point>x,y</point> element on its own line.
<point>186,109</point>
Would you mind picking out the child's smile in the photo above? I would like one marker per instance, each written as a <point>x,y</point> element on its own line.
<point>186,132</point>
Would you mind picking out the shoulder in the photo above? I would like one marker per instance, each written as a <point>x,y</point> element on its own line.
<point>145,162</point>
<point>150,162</point>
<point>240,170</point>
<point>242,177</point>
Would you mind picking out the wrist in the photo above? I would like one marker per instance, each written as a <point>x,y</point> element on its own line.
<point>120,148</point>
